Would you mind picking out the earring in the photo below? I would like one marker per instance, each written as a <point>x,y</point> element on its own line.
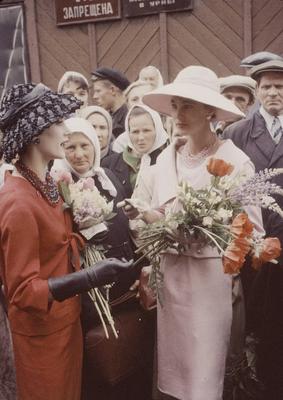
<point>208,117</point>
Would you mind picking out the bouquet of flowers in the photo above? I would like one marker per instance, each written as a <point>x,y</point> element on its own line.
<point>90,212</point>
<point>215,216</point>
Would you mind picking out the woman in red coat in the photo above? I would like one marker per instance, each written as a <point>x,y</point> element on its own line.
<point>39,252</point>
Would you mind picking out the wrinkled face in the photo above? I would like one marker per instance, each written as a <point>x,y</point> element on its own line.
<point>103,95</point>
<point>270,92</point>
<point>142,133</point>
<point>52,140</point>
<point>79,152</point>
<point>100,125</point>
<point>190,117</point>
<point>150,76</point>
<point>136,94</point>
<point>239,96</point>
<point>76,90</point>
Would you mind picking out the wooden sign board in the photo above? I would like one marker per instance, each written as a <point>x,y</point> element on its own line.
<point>82,11</point>
<point>135,8</point>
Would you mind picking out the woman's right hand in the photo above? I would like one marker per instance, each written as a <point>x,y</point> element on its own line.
<point>129,209</point>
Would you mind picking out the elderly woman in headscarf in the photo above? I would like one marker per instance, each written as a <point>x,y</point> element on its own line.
<point>82,160</point>
<point>146,139</point>
<point>101,120</point>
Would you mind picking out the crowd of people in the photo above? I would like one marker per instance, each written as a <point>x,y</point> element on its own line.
<point>137,141</point>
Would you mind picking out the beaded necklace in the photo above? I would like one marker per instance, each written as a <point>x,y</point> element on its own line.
<point>47,189</point>
<point>194,160</point>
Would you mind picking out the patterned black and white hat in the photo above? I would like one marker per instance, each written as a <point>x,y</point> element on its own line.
<point>26,110</point>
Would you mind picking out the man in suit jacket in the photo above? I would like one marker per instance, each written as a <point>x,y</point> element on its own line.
<point>261,137</point>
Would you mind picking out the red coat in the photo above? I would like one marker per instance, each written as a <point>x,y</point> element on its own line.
<point>36,240</point>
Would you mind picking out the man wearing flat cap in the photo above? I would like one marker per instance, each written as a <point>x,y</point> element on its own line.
<point>240,89</point>
<point>261,137</point>
<point>108,87</point>
<point>259,58</point>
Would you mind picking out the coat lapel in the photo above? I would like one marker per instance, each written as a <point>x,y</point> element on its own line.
<point>262,138</point>
<point>277,156</point>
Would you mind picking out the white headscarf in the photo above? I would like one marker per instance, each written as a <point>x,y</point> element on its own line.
<point>88,111</point>
<point>156,70</point>
<point>161,136</point>
<point>80,125</point>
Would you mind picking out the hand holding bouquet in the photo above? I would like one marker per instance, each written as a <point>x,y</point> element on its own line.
<point>90,212</point>
<point>214,216</point>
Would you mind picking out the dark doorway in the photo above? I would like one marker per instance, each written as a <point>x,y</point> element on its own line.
<point>14,66</point>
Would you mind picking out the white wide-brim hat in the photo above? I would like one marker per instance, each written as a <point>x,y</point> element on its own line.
<point>195,83</point>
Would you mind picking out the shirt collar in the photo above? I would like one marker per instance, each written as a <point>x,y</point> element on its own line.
<point>269,118</point>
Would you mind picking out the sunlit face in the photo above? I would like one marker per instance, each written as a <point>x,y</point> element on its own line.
<point>270,92</point>
<point>136,94</point>
<point>76,90</point>
<point>100,124</point>
<point>142,133</point>
<point>150,75</point>
<point>51,141</point>
<point>190,117</point>
<point>79,152</point>
<point>103,95</point>
<point>239,96</point>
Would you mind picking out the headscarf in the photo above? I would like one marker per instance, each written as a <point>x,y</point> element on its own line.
<point>161,136</point>
<point>71,76</point>
<point>156,70</point>
<point>88,111</point>
<point>80,125</point>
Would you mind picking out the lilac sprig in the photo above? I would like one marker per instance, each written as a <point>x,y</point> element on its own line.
<point>258,191</point>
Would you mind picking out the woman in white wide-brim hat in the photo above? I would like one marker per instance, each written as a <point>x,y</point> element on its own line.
<point>194,323</point>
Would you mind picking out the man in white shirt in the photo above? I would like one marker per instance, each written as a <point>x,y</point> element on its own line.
<point>260,137</point>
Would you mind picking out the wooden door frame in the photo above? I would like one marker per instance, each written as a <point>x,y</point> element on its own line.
<point>32,40</point>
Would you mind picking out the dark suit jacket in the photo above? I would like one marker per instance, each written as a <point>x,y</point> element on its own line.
<point>252,136</point>
<point>120,169</point>
<point>118,119</point>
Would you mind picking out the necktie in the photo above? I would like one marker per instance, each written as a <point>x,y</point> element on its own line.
<point>276,130</point>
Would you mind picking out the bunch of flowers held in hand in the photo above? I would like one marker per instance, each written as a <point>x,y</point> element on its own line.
<point>90,212</point>
<point>89,208</point>
<point>214,216</point>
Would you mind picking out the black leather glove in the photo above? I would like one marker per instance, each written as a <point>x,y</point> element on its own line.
<point>103,272</point>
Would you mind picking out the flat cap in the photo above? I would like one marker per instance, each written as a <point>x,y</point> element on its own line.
<point>113,75</point>
<point>259,58</point>
<point>237,81</point>
<point>269,66</point>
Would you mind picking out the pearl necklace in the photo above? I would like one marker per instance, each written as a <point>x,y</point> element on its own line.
<point>194,160</point>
